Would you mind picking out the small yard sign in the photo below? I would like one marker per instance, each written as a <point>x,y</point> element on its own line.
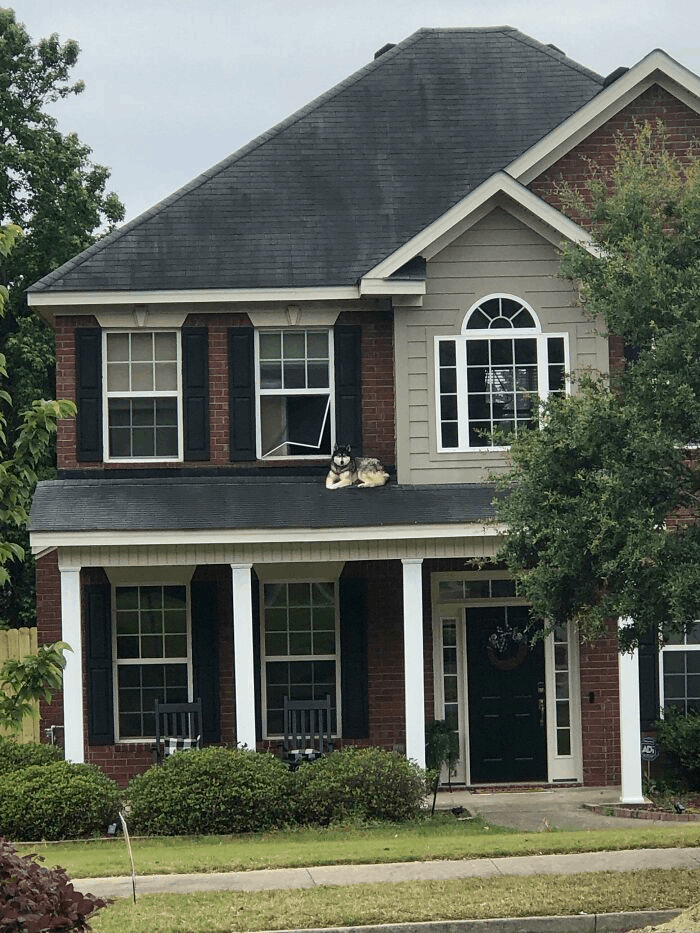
<point>650,750</point>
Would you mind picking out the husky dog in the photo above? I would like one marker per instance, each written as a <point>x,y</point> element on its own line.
<point>345,470</point>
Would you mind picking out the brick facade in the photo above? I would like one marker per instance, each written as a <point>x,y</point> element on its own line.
<point>600,711</point>
<point>378,424</point>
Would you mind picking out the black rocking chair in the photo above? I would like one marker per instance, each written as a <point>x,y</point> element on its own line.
<point>307,730</point>
<point>178,727</point>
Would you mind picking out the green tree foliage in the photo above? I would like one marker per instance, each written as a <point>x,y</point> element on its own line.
<point>21,457</point>
<point>51,189</point>
<point>24,682</point>
<point>602,504</point>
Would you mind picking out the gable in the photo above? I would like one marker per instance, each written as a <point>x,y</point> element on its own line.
<point>681,121</point>
<point>505,252</point>
<point>330,192</point>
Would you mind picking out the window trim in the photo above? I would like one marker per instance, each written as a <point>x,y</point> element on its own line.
<point>264,657</point>
<point>666,648</point>
<point>177,394</point>
<point>465,334</point>
<point>261,393</point>
<point>130,662</point>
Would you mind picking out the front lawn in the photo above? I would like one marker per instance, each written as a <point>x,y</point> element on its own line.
<point>235,912</point>
<point>442,837</point>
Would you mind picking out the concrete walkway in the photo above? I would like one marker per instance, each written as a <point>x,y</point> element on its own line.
<point>534,810</point>
<point>286,878</point>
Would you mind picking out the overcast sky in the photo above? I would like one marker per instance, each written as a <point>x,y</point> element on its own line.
<point>174,86</point>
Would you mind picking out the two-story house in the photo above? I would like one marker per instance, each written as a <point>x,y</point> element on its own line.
<point>379,270</point>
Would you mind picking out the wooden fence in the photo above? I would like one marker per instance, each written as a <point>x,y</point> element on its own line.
<point>18,643</point>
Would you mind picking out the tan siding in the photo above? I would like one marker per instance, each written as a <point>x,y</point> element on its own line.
<point>499,254</point>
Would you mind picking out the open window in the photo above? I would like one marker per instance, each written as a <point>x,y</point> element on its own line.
<point>295,391</point>
<point>492,379</point>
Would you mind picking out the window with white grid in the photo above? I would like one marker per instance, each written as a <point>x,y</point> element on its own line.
<point>142,385</point>
<point>492,379</point>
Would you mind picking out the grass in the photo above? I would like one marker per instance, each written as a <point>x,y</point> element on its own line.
<point>219,912</point>
<point>440,838</point>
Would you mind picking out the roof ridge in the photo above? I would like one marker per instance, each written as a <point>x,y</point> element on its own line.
<point>557,54</point>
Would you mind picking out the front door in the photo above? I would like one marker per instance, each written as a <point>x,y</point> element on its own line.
<point>506,696</point>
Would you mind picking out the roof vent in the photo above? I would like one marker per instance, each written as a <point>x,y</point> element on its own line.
<point>384,48</point>
<point>550,45</point>
<point>614,75</point>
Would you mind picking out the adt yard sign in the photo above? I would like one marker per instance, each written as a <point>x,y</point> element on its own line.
<point>650,750</point>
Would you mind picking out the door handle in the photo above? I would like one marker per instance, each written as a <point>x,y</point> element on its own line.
<point>540,704</point>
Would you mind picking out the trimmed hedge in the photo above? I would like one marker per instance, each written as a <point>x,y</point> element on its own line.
<point>14,755</point>
<point>678,734</point>
<point>59,800</point>
<point>212,790</point>
<point>358,784</point>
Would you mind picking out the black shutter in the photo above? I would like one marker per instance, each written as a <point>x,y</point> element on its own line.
<point>241,367</point>
<point>353,658</point>
<point>648,656</point>
<point>257,655</point>
<point>195,391</point>
<point>100,697</point>
<point>348,376</point>
<point>205,656</point>
<point>88,397</point>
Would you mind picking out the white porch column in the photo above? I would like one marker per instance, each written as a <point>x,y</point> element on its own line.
<point>630,749</point>
<point>73,724</point>
<point>413,659</point>
<point>243,664</point>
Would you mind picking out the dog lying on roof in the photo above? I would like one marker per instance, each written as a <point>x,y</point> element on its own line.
<point>346,470</point>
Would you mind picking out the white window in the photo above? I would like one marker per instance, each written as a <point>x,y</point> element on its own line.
<point>142,386</point>
<point>300,647</point>
<point>679,673</point>
<point>295,392</point>
<point>152,652</point>
<point>495,375</point>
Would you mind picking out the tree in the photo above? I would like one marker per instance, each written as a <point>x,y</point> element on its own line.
<point>49,188</point>
<point>602,503</point>
<point>24,682</point>
<point>20,459</point>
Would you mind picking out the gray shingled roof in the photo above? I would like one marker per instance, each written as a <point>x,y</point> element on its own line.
<point>196,503</point>
<point>340,185</point>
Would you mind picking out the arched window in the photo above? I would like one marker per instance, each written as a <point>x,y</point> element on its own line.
<point>494,376</point>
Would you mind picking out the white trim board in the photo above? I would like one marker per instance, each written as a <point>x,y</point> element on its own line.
<point>459,218</point>
<point>655,68</point>
<point>41,540</point>
<point>68,299</point>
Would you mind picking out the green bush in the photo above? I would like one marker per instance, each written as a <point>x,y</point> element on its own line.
<point>14,755</point>
<point>59,800</point>
<point>678,735</point>
<point>358,784</point>
<point>212,790</point>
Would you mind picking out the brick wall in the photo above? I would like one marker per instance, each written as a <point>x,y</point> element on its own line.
<point>378,422</point>
<point>682,125</point>
<point>600,711</point>
<point>377,384</point>
<point>48,614</point>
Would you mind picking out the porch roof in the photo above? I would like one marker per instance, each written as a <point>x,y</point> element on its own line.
<point>205,503</point>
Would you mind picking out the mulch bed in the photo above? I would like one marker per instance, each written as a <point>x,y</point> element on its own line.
<point>644,811</point>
